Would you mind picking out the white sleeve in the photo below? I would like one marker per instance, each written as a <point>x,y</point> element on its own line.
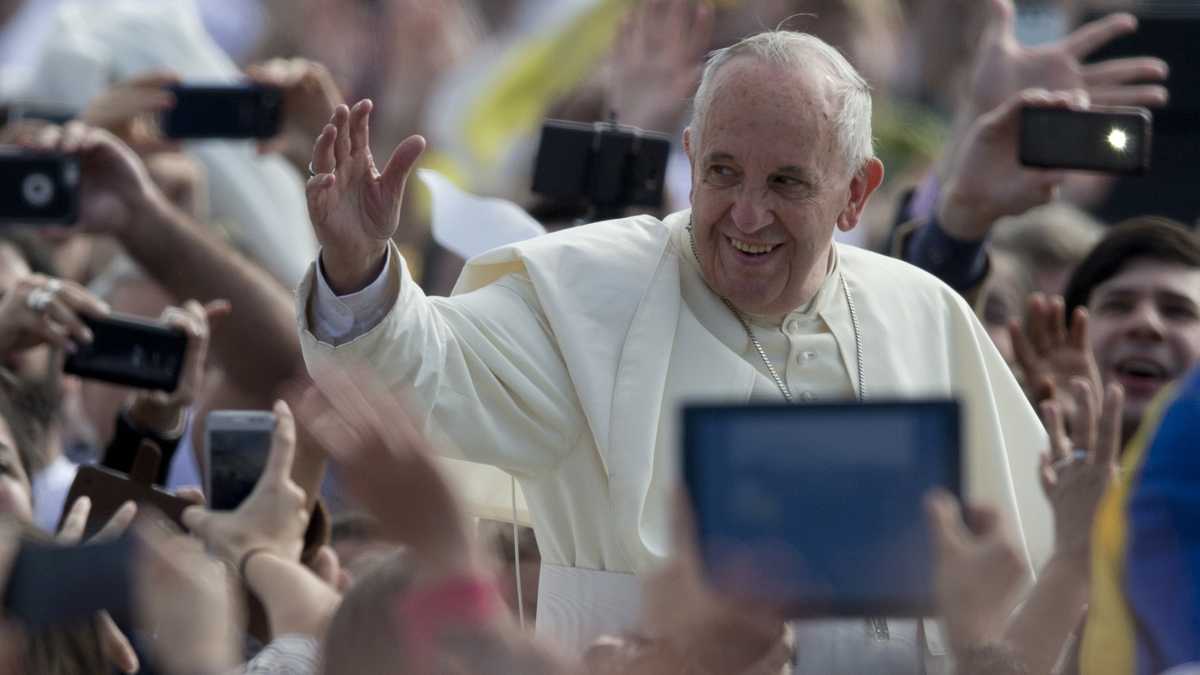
<point>338,319</point>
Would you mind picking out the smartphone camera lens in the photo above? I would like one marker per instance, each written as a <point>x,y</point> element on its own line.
<point>38,190</point>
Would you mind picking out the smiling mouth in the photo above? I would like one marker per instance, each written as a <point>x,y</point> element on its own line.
<point>749,248</point>
<point>1141,373</point>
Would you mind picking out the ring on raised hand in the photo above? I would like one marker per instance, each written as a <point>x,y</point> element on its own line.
<point>311,172</point>
<point>53,286</point>
<point>1078,455</point>
<point>38,299</point>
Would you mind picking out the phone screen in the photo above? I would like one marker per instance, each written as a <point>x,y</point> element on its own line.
<point>236,460</point>
<point>821,505</point>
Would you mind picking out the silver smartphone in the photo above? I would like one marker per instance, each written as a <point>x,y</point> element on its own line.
<point>236,445</point>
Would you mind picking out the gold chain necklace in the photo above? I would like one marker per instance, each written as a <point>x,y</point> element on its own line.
<point>762,353</point>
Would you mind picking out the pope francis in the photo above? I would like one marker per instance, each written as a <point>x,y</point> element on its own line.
<point>563,360</point>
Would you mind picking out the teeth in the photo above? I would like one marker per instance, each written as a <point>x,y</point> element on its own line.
<point>1142,368</point>
<point>746,247</point>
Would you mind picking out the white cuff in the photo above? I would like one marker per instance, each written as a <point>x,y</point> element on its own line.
<point>342,318</point>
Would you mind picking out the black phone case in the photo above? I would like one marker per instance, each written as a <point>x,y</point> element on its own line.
<point>1050,138</point>
<point>132,352</point>
<point>52,585</point>
<point>235,111</point>
<point>39,188</point>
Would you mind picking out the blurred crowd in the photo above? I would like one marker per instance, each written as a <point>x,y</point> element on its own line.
<point>358,551</point>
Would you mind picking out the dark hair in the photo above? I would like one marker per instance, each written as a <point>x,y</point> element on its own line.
<point>1143,238</point>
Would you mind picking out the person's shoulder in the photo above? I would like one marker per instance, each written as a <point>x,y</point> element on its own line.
<point>894,282</point>
<point>605,239</point>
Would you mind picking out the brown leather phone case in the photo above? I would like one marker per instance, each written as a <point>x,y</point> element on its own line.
<point>109,489</point>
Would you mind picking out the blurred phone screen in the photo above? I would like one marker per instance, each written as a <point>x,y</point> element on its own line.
<point>818,508</point>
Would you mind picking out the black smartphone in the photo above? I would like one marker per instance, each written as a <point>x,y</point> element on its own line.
<point>236,446</point>
<point>1112,140</point>
<point>52,585</point>
<point>604,164</point>
<point>224,111</point>
<point>130,351</point>
<point>38,187</point>
<point>818,509</point>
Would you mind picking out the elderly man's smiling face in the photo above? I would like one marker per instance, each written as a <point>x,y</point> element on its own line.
<point>769,185</point>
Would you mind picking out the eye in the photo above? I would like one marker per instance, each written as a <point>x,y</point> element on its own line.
<point>722,174</point>
<point>786,181</point>
<point>1180,312</point>
<point>1114,306</point>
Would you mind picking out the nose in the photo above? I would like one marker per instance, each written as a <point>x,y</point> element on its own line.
<point>750,212</point>
<point>1146,322</point>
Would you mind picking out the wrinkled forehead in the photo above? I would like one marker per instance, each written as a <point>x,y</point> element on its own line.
<point>12,267</point>
<point>762,108</point>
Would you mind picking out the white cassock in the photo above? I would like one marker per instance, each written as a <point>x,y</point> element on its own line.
<point>564,360</point>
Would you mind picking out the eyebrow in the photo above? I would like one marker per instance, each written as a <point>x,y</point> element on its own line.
<point>1157,292</point>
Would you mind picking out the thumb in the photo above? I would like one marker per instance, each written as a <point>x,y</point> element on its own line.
<point>945,521</point>
<point>197,520</point>
<point>404,157</point>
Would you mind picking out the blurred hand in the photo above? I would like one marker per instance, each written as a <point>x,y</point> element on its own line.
<point>1004,67</point>
<point>130,109</point>
<point>355,209</point>
<point>186,600</point>
<point>42,309</point>
<point>657,61</point>
<point>683,611</point>
<point>385,463</point>
<point>116,191</point>
<point>182,180</point>
<point>1050,356</point>
<point>310,95</point>
<point>116,647</point>
<point>985,180</point>
<point>978,574</point>
<point>273,517</point>
<point>1080,465</point>
<point>163,412</point>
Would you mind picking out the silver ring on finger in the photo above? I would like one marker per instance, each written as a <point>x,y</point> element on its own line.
<point>1076,457</point>
<point>312,173</point>
<point>53,286</point>
<point>38,299</point>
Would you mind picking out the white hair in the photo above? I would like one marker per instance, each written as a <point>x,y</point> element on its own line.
<point>850,93</point>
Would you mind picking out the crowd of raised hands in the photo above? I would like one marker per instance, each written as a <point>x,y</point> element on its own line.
<point>202,586</point>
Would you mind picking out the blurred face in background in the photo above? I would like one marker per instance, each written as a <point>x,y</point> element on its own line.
<point>1145,330</point>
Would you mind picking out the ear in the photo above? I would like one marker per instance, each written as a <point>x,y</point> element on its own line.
<point>861,186</point>
<point>687,150</point>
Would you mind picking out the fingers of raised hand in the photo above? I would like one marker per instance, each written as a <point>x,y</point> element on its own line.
<point>1095,34</point>
<point>1052,418</point>
<point>283,446</point>
<point>119,523</point>
<point>1084,422</point>
<point>1108,442</point>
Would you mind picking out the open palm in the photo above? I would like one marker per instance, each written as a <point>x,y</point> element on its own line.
<point>353,206</point>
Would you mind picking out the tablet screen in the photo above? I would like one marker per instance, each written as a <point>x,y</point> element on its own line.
<point>819,507</point>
